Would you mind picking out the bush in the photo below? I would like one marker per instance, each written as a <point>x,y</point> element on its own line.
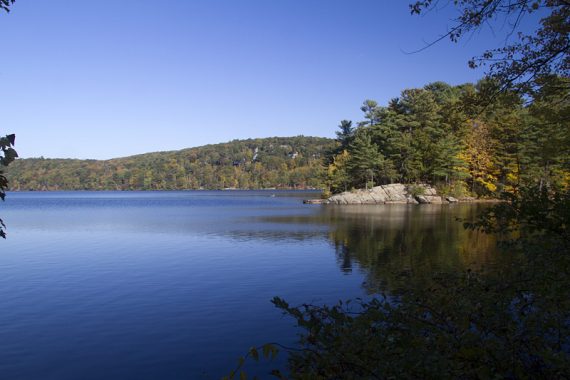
<point>416,190</point>
<point>457,189</point>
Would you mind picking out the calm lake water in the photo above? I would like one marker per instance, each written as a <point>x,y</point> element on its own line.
<point>177,285</point>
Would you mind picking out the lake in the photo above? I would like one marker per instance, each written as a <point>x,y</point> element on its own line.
<point>177,285</point>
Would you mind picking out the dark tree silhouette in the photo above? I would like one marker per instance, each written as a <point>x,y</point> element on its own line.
<point>5,4</point>
<point>522,63</point>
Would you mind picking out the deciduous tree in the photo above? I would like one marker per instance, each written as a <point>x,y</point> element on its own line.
<point>526,57</point>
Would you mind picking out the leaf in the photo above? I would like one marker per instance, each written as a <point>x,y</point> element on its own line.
<point>254,354</point>
<point>266,350</point>
<point>274,352</point>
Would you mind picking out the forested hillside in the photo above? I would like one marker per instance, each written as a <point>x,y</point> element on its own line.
<point>277,162</point>
<point>467,140</point>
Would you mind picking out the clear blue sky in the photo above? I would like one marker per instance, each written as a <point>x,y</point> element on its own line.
<point>87,79</point>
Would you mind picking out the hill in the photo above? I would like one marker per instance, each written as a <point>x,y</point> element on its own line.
<point>275,162</point>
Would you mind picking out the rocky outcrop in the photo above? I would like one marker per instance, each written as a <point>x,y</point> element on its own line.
<point>316,201</point>
<point>395,193</point>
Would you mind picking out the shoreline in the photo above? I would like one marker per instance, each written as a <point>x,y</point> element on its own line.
<point>132,190</point>
<point>396,193</point>
<point>459,200</point>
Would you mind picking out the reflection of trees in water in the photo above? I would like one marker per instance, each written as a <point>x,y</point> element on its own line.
<point>344,258</point>
<point>386,241</point>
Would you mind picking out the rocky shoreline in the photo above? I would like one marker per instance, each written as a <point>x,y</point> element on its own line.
<point>395,193</point>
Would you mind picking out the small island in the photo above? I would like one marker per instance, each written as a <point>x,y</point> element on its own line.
<point>395,193</point>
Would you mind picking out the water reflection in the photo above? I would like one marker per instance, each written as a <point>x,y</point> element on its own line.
<point>87,276</point>
<point>384,241</point>
<point>376,240</point>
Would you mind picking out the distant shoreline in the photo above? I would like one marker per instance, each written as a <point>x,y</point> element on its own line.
<point>312,190</point>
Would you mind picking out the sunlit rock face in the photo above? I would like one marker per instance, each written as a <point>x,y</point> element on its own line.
<point>395,193</point>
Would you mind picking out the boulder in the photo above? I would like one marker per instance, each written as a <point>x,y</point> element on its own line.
<point>411,200</point>
<point>315,201</point>
<point>395,193</point>
<point>422,199</point>
<point>367,199</point>
<point>451,199</point>
<point>434,199</point>
<point>353,199</point>
<point>379,194</point>
<point>338,199</point>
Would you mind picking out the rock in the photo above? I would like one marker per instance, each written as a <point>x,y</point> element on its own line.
<point>411,200</point>
<point>378,198</point>
<point>337,199</point>
<point>434,199</point>
<point>451,199</point>
<point>355,199</point>
<point>395,193</point>
<point>367,199</point>
<point>315,201</point>
<point>379,194</point>
<point>351,198</point>
<point>422,199</point>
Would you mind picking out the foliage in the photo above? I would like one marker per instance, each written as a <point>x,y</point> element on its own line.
<point>455,189</point>
<point>278,162</point>
<point>509,323</point>
<point>521,63</point>
<point>5,4</point>
<point>338,177</point>
<point>365,159</point>
<point>478,154</point>
<point>546,136</point>
<point>8,156</point>
<point>416,190</point>
<point>346,135</point>
<point>512,322</point>
<point>468,326</point>
<point>534,215</point>
<point>466,140</point>
<point>267,351</point>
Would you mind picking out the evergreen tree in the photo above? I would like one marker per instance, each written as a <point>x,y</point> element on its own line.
<point>365,160</point>
<point>345,135</point>
<point>546,136</point>
<point>370,109</point>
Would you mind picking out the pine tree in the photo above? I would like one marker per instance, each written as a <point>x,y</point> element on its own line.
<point>365,160</point>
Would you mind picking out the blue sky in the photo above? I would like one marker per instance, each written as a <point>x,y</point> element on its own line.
<point>86,79</point>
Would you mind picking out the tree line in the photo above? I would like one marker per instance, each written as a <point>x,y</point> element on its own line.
<point>468,139</point>
<point>277,162</point>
